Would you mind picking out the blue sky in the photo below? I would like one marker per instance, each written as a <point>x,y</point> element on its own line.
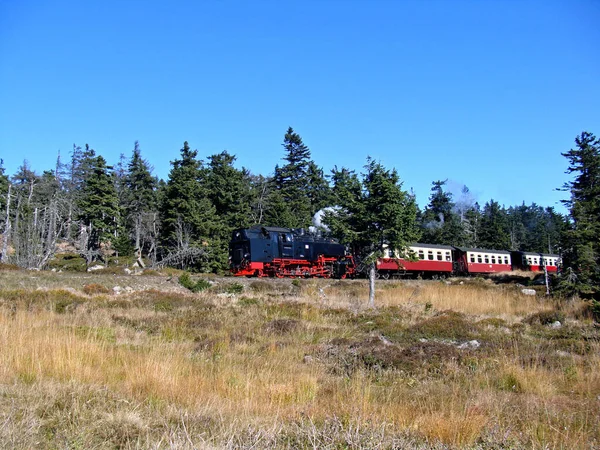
<point>484,93</point>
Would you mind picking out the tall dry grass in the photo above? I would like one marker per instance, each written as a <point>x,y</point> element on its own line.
<point>286,372</point>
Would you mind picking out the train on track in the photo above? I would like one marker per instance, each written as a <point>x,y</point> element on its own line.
<point>291,253</point>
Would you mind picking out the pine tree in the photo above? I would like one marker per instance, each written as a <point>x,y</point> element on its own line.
<point>98,206</point>
<point>441,225</point>
<point>581,241</point>
<point>374,214</point>
<point>139,201</point>
<point>188,216</point>
<point>494,230</point>
<point>291,180</point>
<point>229,191</point>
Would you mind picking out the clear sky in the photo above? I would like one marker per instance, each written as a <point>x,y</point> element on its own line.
<point>484,93</point>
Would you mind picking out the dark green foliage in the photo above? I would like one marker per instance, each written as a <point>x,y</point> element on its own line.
<point>188,216</point>
<point>98,204</point>
<point>581,240</point>
<point>441,225</point>
<point>374,214</point>
<point>195,286</point>
<point>228,189</point>
<point>234,288</point>
<point>140,202</point>
<point>494,229</point>
<point>299,188</point>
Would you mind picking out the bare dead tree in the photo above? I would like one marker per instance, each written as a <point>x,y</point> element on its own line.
<point>6,234</point>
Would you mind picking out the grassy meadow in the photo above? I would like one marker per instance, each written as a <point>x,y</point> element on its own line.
<point>108,361</point>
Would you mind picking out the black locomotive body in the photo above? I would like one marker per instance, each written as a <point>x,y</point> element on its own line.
<point>287,252</point>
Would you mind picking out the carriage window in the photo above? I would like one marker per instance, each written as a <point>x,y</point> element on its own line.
<point>487,259</point>
<point>493,259</point>
<point>439,256</point>
<point>472,258</point>
<point>478,258</point>
<point>421,254</point>
<point>506,260</point>
<point>448,257</point>
<point>430,255</point>
<point>529,261</point>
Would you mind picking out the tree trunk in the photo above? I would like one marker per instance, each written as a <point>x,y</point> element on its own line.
<point>4,253</point>
<point>372,285</point>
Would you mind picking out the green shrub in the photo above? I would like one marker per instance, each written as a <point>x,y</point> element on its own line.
<point>186,281</point>
<point>234,288</point>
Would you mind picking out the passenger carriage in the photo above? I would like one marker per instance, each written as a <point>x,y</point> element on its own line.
<point>477,260</point>
<point>535,262</point>
<point>424,260</point>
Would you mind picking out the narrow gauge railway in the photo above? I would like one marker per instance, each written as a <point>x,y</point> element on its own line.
<point>286,252</point>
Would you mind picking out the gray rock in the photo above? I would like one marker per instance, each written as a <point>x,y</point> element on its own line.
<point>470,345</point>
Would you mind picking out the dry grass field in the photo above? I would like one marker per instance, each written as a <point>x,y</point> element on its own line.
<point>291,364</point>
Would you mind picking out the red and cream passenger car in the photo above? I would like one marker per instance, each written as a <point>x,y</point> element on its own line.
<point>535,262</point>
<point>425,260</point>
<point>477,260</point>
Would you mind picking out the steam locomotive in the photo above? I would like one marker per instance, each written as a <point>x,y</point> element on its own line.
<point>287,252</point>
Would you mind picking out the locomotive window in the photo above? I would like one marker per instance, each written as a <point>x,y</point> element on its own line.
<point>448,258</point>
<point>421,254</point>
<point>493,259</point>
<point>439,256</point>
<point>472,258</point>
<point>430,255</point>
<point>479,258</point>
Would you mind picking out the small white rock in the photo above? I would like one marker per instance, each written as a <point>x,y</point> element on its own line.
<point>96,267</point>
<point>556,324</point>
<point>528,291</point>
<point>127,271</point>
<point>117,290</point>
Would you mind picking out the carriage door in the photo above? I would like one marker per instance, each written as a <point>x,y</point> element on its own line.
<point>286,245</point>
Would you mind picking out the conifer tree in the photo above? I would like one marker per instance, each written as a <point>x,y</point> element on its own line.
<point>441,225</point>
<point>494,228</point>
<point>229,191</point>
<point>98,207</point>
<point>374,214</point>
<point>581,241</point>
<point>187,214</point>
<point>139,200</point>
<point>291,181</point>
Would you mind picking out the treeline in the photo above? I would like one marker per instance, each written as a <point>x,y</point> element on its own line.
<point>97,209</point>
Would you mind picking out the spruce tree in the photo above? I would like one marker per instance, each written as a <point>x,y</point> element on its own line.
<point>139,200</point>
<point>228,189</point>
<point>375,213</point>
<point>291,180</point>
<point>440,224</point>
<point>494,230</point>
<point>98,206</point>
<point>581,242</point>
<point>187,214</point>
